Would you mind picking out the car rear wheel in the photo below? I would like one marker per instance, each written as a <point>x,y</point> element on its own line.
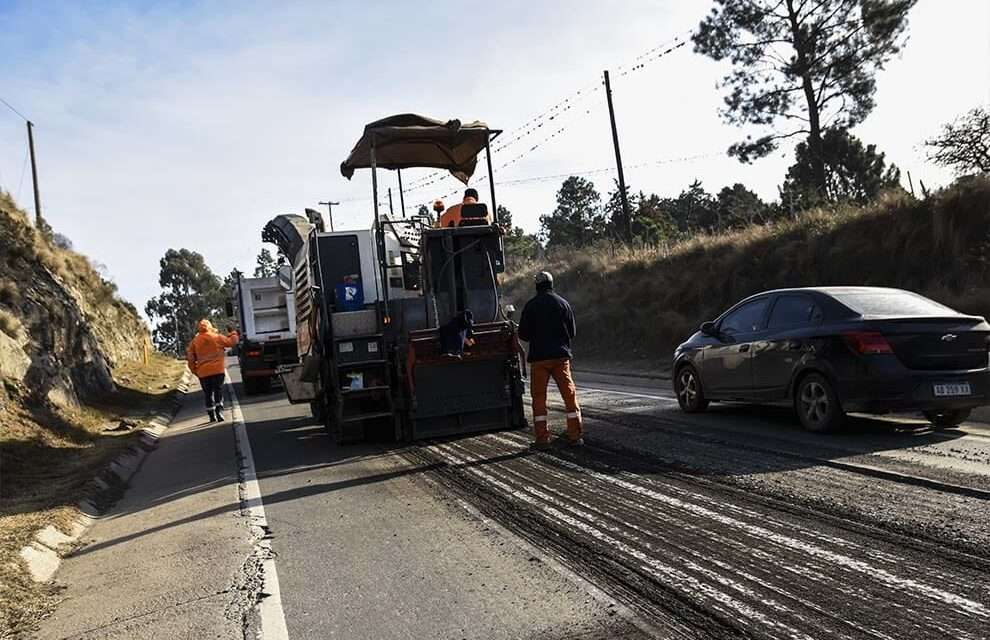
<point>687,386</point>
<point>817,405</point>
<point>947,419</point>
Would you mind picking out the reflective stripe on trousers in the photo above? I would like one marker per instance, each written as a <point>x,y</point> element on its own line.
<point>560,371</point>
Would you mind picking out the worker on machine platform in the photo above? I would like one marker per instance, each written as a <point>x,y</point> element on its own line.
<point>548,325</point>
<point>452,216</point>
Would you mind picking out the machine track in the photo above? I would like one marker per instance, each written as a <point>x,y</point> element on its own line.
<point>697,558</point>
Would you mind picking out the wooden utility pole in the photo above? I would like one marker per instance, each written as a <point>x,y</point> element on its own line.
<point>330,206</point>
<point>627,218</point>
<point>34,176</point>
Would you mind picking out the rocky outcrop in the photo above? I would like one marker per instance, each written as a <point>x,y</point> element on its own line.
<point>62,327</point>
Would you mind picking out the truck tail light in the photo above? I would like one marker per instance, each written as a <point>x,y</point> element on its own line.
<point>868,342</point>
<point>254,354</point>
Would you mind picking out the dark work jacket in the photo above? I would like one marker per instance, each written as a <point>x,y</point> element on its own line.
<point>548,325</point>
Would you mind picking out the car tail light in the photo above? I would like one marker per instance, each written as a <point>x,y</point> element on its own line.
<point>868,342</point>
<point>253,354</point>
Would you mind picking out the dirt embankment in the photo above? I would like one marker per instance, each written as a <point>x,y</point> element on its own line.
<point>62,327</point>
<point>635,303</point>
<point>72,364</point>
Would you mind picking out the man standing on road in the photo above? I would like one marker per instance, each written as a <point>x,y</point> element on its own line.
<point>548,325</point>
<point>205,358</point>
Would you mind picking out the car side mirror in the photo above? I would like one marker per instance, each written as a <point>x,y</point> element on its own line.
<point>708,329</point>
<point>228,307</point>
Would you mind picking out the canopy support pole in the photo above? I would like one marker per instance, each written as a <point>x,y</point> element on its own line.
<point>491,176</point>
<point>402,198</point>
<point>380,239</point>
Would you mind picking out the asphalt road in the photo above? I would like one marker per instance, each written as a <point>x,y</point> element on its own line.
<point>731,524</point>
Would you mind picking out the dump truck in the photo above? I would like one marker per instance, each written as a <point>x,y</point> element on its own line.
<point>400,327</point>
<point>267,313</point>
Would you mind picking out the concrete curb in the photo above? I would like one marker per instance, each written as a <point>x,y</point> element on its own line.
<point>44,554</point>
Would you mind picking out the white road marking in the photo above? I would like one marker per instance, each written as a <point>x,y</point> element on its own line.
<point>269,607</point>
<point>630,394</point>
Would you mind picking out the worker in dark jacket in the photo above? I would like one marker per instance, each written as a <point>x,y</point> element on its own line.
<point>548,325</point>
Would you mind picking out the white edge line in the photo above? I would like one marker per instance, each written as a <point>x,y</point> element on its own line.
<point>269,607</point>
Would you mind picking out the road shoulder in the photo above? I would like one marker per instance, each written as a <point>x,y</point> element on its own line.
<point>169,559</point>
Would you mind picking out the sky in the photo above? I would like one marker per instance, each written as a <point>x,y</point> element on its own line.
<point>191,124</point>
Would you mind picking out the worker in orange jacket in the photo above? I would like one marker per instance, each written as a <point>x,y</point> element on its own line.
<point>205,358</point>
<point>452,216</point>
<point>548,325</point>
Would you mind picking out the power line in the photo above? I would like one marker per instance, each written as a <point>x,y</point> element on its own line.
<point>9,106</point>
<point>20,183</point>
<point>558,176</point>
<point>559,108</point>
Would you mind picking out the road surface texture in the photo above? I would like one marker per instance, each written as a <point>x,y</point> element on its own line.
<point>172,558</point>
<point>731,524</point>
<point>368,547</point>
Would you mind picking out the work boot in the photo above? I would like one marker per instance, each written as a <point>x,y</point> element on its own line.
<point>213,415</point>
<point>219,410</point>
<point>540,445</point>
<point>567,442</point>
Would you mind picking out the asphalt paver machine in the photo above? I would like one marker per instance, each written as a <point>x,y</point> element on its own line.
<point>401,331</point>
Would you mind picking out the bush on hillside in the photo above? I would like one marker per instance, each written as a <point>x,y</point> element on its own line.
<point>643,302</point>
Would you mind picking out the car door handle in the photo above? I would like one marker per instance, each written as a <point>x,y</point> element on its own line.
<point>744,347</point>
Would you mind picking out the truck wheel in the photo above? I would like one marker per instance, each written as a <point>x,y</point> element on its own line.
<point>319,410</point>
<point>947,419</point>
<point>250,386</point>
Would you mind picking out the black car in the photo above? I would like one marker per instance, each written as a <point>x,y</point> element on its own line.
<point>832,350</point>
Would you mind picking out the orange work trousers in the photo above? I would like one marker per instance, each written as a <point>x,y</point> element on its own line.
<point>560,371</point>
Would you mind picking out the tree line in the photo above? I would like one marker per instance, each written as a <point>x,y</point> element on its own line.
<point>803,70</point>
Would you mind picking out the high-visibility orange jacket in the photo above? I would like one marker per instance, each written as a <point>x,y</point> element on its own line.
<point>452,216</point>
<point>205,353</point>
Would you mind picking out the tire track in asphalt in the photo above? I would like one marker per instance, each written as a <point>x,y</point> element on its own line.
<point>675,426</point>
<point>676,554</point>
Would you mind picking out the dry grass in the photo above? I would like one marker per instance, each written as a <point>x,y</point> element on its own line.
<point>641,302</point>
<point>9,324</point>
<point>9,293</point>
<point>46,458</point>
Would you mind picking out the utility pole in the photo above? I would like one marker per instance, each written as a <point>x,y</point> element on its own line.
<point>618,163</point>
<point>330,206</point>
<point>34,176</point>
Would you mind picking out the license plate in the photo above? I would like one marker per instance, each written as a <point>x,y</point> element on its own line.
<point>953,389</point>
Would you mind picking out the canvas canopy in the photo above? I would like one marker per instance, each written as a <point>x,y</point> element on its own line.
<point>410,140</point>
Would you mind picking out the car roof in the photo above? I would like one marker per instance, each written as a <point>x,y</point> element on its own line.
<point>832,290</point>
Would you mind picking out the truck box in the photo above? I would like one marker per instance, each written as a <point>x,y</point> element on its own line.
<point>268,330</point>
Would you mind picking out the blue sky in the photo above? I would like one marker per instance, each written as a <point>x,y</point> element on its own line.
<point>188,124</point>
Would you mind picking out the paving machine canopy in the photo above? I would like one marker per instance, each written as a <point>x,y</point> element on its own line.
<point>409,140</point>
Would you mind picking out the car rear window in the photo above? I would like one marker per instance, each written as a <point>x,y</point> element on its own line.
<point>891,303</point>
<point>794,311</point>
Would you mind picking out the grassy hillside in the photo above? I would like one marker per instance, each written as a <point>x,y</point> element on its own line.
<point>71,364</point>
<point>637,303</point>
